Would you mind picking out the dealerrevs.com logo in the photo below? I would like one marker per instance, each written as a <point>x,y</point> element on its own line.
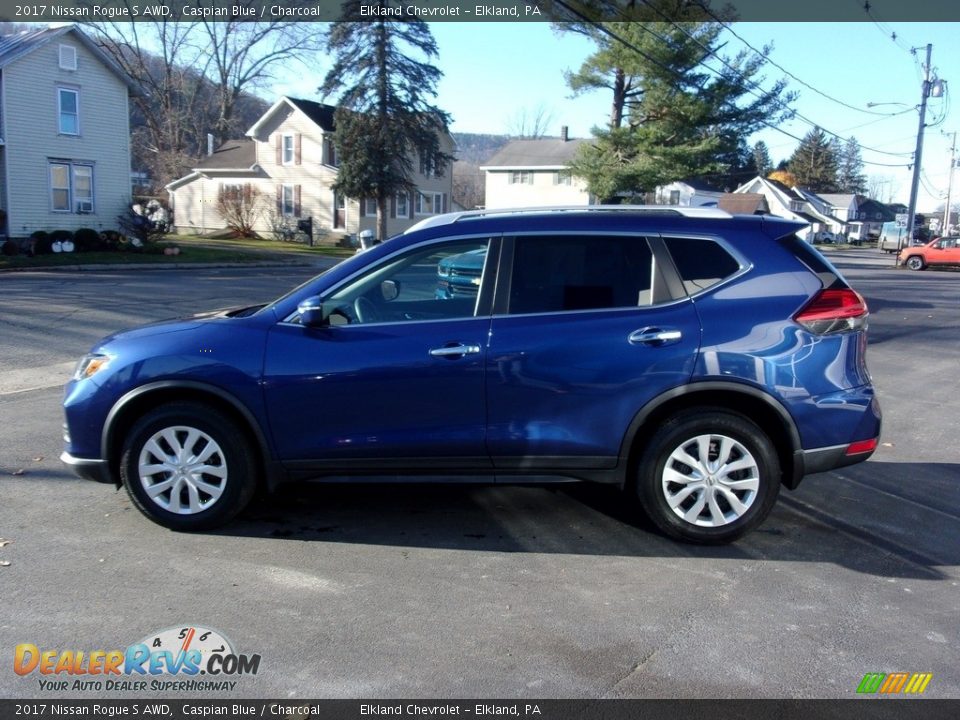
<point>183,653</point>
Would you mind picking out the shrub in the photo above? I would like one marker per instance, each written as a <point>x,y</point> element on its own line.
<point>11,248</point>
<point>40,243</point>
<point>145,223</point>
<point>240,206</point>
<point>87,239</point>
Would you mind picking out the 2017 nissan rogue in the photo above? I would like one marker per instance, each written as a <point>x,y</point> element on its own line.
<point>697,360</point>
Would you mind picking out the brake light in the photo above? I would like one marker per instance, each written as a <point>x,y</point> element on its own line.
<point>834,311</point>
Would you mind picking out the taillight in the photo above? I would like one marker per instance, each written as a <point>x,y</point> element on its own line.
<point>834,311</point>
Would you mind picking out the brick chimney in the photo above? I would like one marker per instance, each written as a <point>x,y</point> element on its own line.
<point>564,133</point>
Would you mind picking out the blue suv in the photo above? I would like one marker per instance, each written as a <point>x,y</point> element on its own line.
<point>695,359</point>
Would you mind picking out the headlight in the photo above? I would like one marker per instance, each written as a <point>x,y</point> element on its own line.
<point>90,366</point>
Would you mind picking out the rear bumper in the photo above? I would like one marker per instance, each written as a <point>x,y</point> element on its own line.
<point>87,468</point>
<point>830,458</point>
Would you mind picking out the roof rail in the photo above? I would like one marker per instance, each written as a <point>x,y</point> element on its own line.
<point>450,218</point>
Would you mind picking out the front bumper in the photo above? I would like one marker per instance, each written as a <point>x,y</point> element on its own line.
<point>88,468</point>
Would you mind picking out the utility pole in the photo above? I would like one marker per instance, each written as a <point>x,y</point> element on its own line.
<point>915,184</point>
<point>953,162</point>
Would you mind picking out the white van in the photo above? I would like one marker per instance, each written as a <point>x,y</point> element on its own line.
<point>892,237</point>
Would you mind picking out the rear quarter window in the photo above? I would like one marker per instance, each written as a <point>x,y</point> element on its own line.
<point>701,263</point>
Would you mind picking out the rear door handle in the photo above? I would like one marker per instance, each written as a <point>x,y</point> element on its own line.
<point>454,351</point>
<point>655,336</point>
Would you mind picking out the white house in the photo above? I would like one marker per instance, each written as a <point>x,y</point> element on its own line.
<point>288,161</point>
<point>535,173</point>
<point>688,193</point>
<point>64,133</point>
<point>794,204</point>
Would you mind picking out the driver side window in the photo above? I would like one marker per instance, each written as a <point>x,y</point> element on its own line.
<point>439,282</point>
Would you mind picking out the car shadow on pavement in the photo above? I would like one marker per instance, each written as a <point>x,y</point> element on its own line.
<point>885,519</point>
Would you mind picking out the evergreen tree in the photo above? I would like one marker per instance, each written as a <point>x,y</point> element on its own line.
<point>682,121</point>
<point>761,159</point>
<point>850,177</point>
<point>814,163</point>
<point>384,118</point>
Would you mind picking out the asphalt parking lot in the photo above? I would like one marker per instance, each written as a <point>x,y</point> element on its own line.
<point>427,591</point>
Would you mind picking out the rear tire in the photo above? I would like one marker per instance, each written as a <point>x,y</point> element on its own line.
<point>713,500</point>
<point>188,467</point>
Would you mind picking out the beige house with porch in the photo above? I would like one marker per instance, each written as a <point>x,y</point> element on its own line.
<point>288,161</point>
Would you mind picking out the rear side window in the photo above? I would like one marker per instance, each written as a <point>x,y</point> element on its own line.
<point>566,273</point>
<point>701,263</point>
<point>812,258</point>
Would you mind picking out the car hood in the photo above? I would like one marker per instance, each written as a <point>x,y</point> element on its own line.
<point>172,325</point>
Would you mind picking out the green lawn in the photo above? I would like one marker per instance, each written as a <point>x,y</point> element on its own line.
<point>192,250</point>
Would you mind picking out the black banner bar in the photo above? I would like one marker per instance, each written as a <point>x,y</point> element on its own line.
<point>853,709</point>
<point>44,11</point>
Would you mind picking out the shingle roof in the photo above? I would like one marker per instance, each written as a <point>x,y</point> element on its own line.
<point>535,153</point>
<point>840,200</point>
<point>743,203</point>
<point>231,155</point>
<point>782,187</point>
<point>321,114</point>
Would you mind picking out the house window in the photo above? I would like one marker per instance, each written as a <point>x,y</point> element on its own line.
<point>429,167</point>
<point>562,178</point>
<point>288,202</point>
<point>288,149</point>
<point>71,187</point>
<point>332,158</point>
<point>521,177</point>
<point>68,57</point>
<point>403,205</point>
<point>674,197</point>
<point>370,207</point>
<point>429,203</point>
<point>68,102</point>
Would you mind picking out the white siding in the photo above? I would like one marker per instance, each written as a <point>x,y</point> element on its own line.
<point>32,138</point>
<point>501,193</point>
<point>195,202</point>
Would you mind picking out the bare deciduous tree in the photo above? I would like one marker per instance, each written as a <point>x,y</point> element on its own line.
<point>882,188</point>
<point>240,206</point>
<point>530,123</point>
<point>468,185</point>
<point>244,55</point>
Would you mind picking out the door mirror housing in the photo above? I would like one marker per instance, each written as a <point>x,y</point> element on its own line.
<point>314,314</point>
<point>390,290</point>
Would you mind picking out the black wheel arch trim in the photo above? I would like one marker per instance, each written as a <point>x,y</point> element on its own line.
<point>791,475</point>
<point>274,473</point>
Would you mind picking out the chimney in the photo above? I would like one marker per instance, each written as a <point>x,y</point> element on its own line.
<point>564,133</point>
<point>209,143</point>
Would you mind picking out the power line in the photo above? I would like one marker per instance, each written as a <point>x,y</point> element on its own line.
<point>780,67</point>
<point>626,43</point>
<point>867,7</point>
<point>802,117</point>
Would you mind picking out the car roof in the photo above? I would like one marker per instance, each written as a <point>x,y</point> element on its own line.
<point>612,218</point>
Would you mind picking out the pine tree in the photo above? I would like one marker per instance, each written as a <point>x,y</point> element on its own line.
<point>683,121</point>
<point>814,163</point>
<point>761,158</point>
<point>850,177</point>
<point>384,118</point>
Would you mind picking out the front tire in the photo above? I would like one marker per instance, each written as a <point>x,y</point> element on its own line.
<point>915,262</point>
<point>708,476</point>
<point>188,467</point>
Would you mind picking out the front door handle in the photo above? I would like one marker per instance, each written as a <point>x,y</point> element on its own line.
<point>452,352</point>
<point>655,336</point>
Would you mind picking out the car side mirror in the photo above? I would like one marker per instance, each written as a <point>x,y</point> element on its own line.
<point>390,289</point>
<point>314,313</point>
